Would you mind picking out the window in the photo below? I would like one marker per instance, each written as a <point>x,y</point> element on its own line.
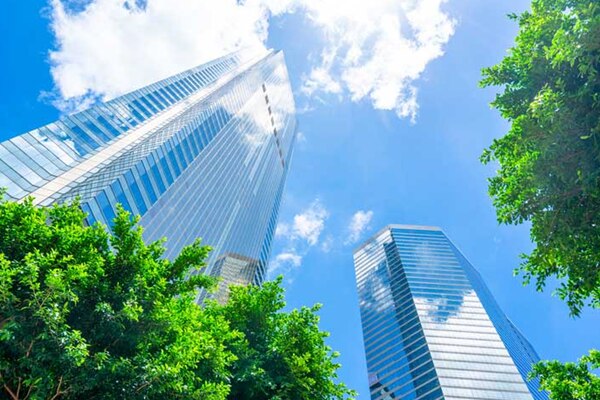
<point>134,188</point>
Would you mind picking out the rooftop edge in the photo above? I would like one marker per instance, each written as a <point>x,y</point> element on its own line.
<point>396,226</point>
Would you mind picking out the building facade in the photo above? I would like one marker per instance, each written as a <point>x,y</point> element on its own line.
<point>233,269</point>
<point>204,153</point>
<point>431,328</point>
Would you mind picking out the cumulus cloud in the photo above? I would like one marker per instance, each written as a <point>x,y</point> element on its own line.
<point>309,224</point>
<point>109,47</point>
<point>306,225</point>
<point>373,50</point>
<point>282,229</point>
<point>378,49</point>
<point>284,262</point>
<point>358,224</point>
<point>298,236</point>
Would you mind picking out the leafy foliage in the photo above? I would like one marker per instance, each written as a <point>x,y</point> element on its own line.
<point>550,158</point>
<point>88,315</point>
<point>570,381</point>
<point>85,314</point>
<point>282,355</point>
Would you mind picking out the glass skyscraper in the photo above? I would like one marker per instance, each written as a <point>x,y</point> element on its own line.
<point>233,269</point>
<point>204,153</point>
<point>431,328</point>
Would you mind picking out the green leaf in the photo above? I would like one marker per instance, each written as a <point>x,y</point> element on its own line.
<point>549,160</point>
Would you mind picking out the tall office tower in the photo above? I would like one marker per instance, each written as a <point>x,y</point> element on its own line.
<point>204,153</point>
<point>431,328</point>
<point>233,269</point>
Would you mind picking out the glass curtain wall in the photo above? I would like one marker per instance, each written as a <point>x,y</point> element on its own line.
<point>204,153</point>
<point>431,328</point>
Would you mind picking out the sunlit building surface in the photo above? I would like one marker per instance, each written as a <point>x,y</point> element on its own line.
<point>431,328</point>
<point>233,269</point>
<point>204,153</point>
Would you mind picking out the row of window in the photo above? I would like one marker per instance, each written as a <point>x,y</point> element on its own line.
<point>398,349</point>
<point>490,335</point>
<point>423,387</point>
<point>478,394</point>
<point>469,341</point>
<point>459,354</point>
<point>224,192</point>
<point>175,131</point>
<point>488,374</point>
<point>405,366</point>
<point>221,195</point>
<point>398,332</point>
<point>458,367</point>
<point>404,382</point>
<point>103,122</point>
<point>402,311</point>
<point>389,317</point>
<point>476,343</point>
<point>156,172</point>
<point>452,299</point>
<point>82,133</point>
<point>415,267</point>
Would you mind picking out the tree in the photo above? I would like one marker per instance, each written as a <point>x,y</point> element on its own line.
<point>550,158</point>
<point>570,381</point>
<point>281,355</point>
<point>87,314</point>
<point>90,314</point>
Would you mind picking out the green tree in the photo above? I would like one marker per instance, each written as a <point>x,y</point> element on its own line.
<point>570,381</point>
<point>281,355</point>
<point>550,158</point>
<point>87,314</point>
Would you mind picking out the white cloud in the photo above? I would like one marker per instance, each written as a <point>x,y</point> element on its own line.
<point>290,257</point>
<point>282,229</point>
<point>298,236</point>
<point>284,262</point>
<point>300,137</point>
<point>358,224</point>
<point>327,244</point>
<point>113,46</point>
<point>306,225</point>
<point>373,50</point>
<point>310,223</point>
<point>320,79</point>
<point>378,49</point>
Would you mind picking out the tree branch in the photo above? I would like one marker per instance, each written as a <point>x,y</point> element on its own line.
<point>11,393</point>
<point>58,392</point>
<point>28,352</point>
<point>28,392</point>
<point>19,387</point>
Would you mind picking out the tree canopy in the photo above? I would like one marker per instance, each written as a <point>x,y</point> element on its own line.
<point>85,313</point>
<point>570,381</point>
<point>550,159</point>
<point>282,355</point>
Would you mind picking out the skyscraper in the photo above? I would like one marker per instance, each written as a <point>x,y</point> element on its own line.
<point>431,328</point>
<point>204,153</point>
<point>233,269</point>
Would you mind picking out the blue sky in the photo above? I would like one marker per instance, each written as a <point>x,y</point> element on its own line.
<point>355,153</point>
